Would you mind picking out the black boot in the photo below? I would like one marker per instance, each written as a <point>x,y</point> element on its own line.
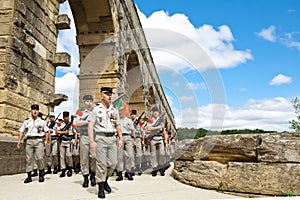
<point>41,175</point>
<point>69,173</point>
<point>55,170</point>
<point>28,179</point>
<point>101,193</point>
<point>106,186</point>
<point>34,173</point>
<point>93,179</point>
<point>77,168</point>
<point>48,170</point>
<point>154,173</point>
<point>63,173</point>
<point>138,169</point>
<point>85,181</point>
<point>129,176</point>
<point>120,177</point>
<point>162,171</point>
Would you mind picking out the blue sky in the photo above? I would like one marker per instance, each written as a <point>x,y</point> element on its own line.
<point>255,50</point>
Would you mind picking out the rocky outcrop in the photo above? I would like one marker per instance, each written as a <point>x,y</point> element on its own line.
<point>256,163</point>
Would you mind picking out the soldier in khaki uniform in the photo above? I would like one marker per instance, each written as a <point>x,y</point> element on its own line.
<point>66,135</point>
<point>157,144</point>
<point>87,161</point>
<point>103,124</point>
<point>139,134</point>
<point>126,153</point>
<point>35,130</point>
<point>48,157</point>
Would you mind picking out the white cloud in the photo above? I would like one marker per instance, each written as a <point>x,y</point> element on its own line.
<point>68,85</point>
<point>196,86</point>
<point>267,114</point>
<point>216,43</point>
<point>280,80</point>
<point>186,98</point>
<point>268,34</point>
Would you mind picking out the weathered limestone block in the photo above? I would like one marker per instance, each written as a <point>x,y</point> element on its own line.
<point>189,149</point>
<point>9,97</point>
<point>21,7</point>
<point>12,160</point>
<point>13,113</point>
<point>30,41</point>
<point>262,178</point>
<point>205,174</point>
<point>228,148</point>
<point>283,147</point>
<point>56,99</point>
<point>6,4</point>
<point>62,59</point>
<point>10,127</point>
<point>63,22</point>
<point>6,16</point>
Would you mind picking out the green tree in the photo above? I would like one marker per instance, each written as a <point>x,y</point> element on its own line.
<point>295,124</point>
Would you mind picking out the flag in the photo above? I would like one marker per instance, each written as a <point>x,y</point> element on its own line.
<point>122,106</point>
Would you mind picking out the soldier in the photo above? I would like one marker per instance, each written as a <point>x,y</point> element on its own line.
<point>66,132</point>
<point>54,143</point>
<point>104,122</point>
<point>139,134</point>
<point>35,129</point>
<point>155,130</point>
<point>75,152</point>
<point>87,161</point>
<point>48,148</point>
<point>126,153</point>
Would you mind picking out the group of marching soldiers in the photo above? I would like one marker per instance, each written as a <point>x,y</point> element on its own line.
<point>98,141</point>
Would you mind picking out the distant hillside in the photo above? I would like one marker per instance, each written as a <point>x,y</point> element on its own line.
<point>193,133</point>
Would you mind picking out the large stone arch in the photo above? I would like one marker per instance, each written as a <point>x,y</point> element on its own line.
<point>114,52</point>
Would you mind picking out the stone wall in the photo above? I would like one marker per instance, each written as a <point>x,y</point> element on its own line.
<point>12,160</point>
<point>28,59</point>
<point>266,164</point>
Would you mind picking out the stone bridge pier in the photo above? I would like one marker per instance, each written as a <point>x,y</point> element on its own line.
<point>113,52</point>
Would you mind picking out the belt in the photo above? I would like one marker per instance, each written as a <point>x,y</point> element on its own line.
<point>54,137</point>
<point>126,133</point>
<point>35,137</point>
<point>66,137</point>
<point>105,133</point>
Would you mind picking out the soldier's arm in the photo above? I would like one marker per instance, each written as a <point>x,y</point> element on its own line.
<point>91,136</point>
<point>134,136</point>
<point>19,139</point>
<point>119,133</point>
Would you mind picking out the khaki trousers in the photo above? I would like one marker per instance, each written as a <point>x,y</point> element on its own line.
<point>106,156</point>
<point>65,154</point>
<point>157,152</point>
<point>86,159</point>
<point>126,153</point>
<point>138,152</point>
<point>34,151</point>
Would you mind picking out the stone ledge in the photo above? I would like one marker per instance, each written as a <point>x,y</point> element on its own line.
<point>266,164</point>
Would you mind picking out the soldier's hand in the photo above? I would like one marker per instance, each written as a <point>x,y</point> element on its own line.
<point>93,146</point>
<point>19,144</point>
<point>120,143</point>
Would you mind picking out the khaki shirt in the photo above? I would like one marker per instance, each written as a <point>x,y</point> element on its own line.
<point>103,119</point>
<point>32,127</point>
<point>83,117</point>
<point>127,125</point>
